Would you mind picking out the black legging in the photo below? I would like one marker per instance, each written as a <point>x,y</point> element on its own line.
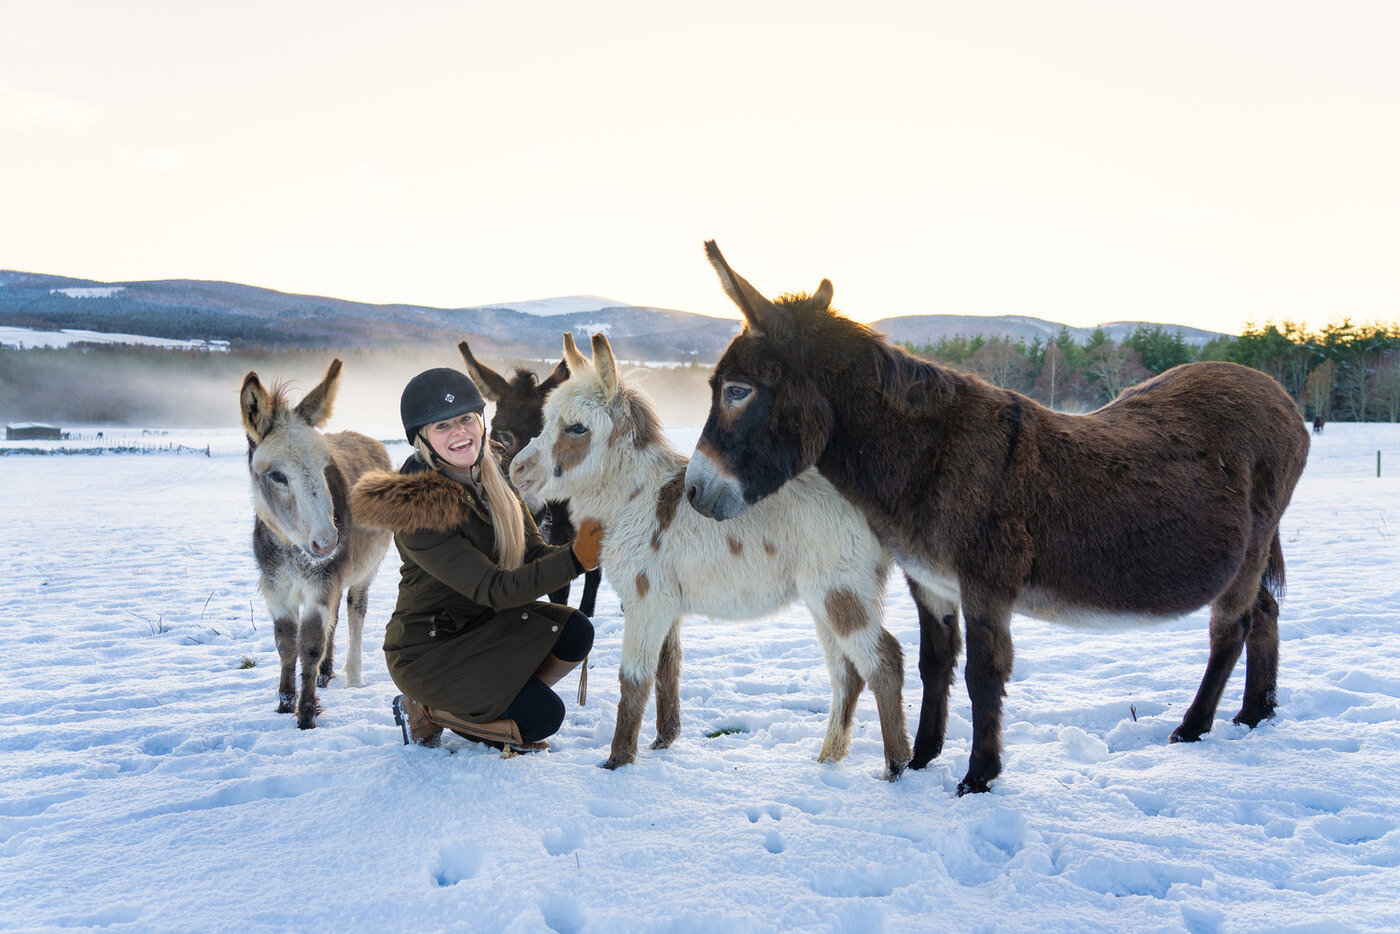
<point>537,710</point>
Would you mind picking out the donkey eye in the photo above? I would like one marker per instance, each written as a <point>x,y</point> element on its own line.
<point>506,438</point>
<point>277,476</point>
<point>577,428</point>
<point>733,392</point>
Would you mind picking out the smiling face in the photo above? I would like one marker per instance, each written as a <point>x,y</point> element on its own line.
<point>456,441</point>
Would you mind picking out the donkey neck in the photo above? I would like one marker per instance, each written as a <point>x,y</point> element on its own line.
<point>632,475</point>
<point>885,426</point>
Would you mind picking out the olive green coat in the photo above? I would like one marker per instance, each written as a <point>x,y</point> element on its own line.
<point>466,634</point>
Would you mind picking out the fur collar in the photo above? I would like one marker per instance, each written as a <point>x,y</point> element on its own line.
<point>411,501</point>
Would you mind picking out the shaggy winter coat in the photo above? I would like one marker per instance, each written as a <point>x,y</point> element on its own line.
<point>466,635</point>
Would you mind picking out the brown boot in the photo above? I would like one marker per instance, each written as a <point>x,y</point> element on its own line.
<point>501,734</point>
<point>413,718</point>
<point>553,669</point>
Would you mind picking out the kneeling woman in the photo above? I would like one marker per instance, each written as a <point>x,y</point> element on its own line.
<point>469,644</point>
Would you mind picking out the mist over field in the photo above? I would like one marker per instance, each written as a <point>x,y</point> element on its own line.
<point>145,387</point>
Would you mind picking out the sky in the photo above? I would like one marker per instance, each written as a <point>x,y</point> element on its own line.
<point>1201,163</point>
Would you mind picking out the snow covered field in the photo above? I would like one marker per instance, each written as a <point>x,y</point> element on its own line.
<point>147,785</point>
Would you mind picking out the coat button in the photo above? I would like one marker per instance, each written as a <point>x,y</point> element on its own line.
<point>553,628</point>
<point>524,615</point>
<point>432,632</point>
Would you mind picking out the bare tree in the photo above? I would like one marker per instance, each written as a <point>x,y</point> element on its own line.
<point>1318,391</point>
<point>1054,380</point>
<point>1115,367</point>
<point>1002,364</point>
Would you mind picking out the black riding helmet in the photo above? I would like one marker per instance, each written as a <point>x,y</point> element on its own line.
<point>437,395</point>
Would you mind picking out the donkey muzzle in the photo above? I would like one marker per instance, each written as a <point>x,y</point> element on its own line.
<point>710,493</point>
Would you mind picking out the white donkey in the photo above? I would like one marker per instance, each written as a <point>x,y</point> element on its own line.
<point>305,541</point>
<point>604,450</point>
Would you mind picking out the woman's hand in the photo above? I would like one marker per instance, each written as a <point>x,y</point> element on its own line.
<point>588,542</point>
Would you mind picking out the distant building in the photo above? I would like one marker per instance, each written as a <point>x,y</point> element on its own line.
<point>32,431</point>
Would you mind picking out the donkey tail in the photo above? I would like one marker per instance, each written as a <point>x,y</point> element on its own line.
<point>1273,579</point>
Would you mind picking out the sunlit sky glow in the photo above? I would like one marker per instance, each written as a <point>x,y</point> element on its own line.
<point>1200,163</point>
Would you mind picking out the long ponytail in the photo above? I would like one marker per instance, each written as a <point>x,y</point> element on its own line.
<point>507,520</point>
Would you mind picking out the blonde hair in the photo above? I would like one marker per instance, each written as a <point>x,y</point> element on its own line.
<point>506,517</point>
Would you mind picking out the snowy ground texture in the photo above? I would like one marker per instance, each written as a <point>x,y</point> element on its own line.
<point>147,785</point>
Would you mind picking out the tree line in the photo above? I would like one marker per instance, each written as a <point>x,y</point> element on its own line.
<point>1345,371</point>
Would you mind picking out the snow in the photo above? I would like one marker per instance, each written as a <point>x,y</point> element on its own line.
<point>148,785</point>
<point>564,305</point>
<point>28,337</point>
<point>106,291</point>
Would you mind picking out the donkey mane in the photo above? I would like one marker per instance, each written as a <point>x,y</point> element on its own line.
<point>904,379</point>
<point>522,378</point>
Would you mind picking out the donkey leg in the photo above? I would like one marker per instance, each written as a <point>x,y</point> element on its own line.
<point>642,640</point>
<point>668,689</point>
<point>591,580</point>
<point>846,685</point>
<point>311,647</point>
<point>1227,638</point>
<point>989,660</point>
<point>284,630</point>
<point>327,666</point>
<point>356,603</point>
<point>887,684</point>
<point>940,643</point>
<point>1261,663</point>
<point>854,620</point>
<point>561,597</point>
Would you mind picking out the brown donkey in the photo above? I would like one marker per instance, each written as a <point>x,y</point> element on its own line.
<point>305,541</point>
<point>518,419</point>
<point>1165,500</point>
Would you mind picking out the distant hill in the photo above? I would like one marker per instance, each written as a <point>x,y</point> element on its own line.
<point>929,329</point>
<point>247,316</point>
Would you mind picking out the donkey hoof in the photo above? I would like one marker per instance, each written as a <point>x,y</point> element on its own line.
<point>895,769</point>
<point>1252,718</point>
<point>323,679</point>
<point>1184,734</point>
<point>614,763</point>
<point>974,786</point>
<point>924,754</point>
<point>286,703</point>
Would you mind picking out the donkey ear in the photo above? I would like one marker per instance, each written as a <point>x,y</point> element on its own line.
<point>606,364</point>
<point>315,408</point>
<point>557,376</point>
<point>492,384</point>
<point>823,294</point>
<point>256,406</point>
<point>761,314</point>
<point>575,361</point>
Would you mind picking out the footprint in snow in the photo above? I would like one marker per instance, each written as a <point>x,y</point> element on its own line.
<point>456,862</point>
<point>561,840</point>
<point>756,811</point>
<point>562,913</point>
<point>602,807</point>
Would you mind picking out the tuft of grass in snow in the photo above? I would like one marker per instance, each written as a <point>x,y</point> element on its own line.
<point>247,661</point>
<point>726,731</point>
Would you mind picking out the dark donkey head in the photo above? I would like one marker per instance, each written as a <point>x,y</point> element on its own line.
<point>519,401</point>
<point>769,421</point>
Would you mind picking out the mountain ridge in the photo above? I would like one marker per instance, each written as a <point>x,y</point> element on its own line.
<point>253,316</point>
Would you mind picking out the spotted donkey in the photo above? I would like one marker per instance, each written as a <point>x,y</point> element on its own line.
<point>604,449</point>
<point>305,540</point>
